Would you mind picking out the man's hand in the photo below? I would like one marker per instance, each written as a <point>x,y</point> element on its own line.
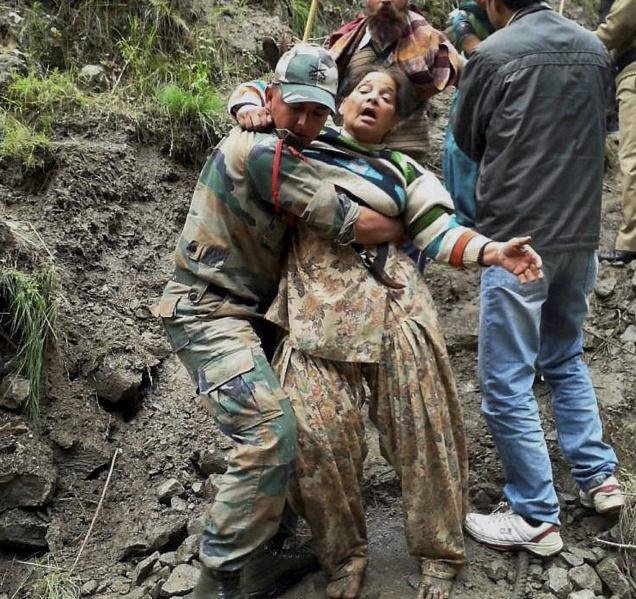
<point>253,118</point>
<point>517,257</point>
<point>372,228</point>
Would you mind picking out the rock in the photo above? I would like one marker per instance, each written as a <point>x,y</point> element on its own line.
<point>168,559</point>
<point>197,488</point>
<point>116,380</point>
<point>210,487</point>
<point>82,458</point>
<point>178,504</point>
<point>496,569</point>
<point>612,576</point>
<point>136,594</point>
<point>599,552</point>
<point>182,580</point>
<point>144,568</point>
<point>196,526</point>
<point>22,530</point>
<point>188,550</point>
<point>168,533</point>
<point>93,77</point>
<point>14,393</point>
<point>583,594</point>
<point>629,336</point>
<point>605,283</point>
<point>571,560</point>
<point>168,489</point>
<point>11,62</point>
<point>27,473</point>
<point>557,582</point>
<point>154,537</point>
<point>587,555</point>
<point>88,588</point>
<point>584,577</point>
<point>211,461</point>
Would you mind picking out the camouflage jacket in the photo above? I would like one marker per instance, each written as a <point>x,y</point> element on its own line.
<point>329,303</point>
<point>235,233</point>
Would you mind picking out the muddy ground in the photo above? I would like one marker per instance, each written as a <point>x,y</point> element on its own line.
<point>107,214</point>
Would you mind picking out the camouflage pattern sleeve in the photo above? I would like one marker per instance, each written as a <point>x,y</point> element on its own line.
<point>302,192</point>
<point>251,93</point>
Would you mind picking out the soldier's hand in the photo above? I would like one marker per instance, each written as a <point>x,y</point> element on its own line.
<point>253,118</point>
<point>372,228</point>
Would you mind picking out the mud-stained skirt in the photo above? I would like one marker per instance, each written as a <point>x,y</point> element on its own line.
<point>415,408</point>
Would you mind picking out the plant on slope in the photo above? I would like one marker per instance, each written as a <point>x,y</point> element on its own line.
<point>22,143</point>
<point>29,312</point>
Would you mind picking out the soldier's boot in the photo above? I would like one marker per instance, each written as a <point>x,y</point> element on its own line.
<point>274,568</point>
<point>217,584</point>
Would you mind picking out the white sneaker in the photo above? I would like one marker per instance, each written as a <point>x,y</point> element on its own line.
<point>606,497</point>
<point>508,531</point>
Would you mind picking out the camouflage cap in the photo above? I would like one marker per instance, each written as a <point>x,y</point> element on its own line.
<point>308,73</point>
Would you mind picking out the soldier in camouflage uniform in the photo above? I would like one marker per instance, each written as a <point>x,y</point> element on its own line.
<point>228,266</point>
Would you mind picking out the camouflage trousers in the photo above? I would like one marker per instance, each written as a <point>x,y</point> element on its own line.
<point>223,355</point>
<point>416,411</point>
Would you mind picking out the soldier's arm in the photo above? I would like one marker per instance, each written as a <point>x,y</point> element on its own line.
<point>299,190</point>
<point>620,25</point>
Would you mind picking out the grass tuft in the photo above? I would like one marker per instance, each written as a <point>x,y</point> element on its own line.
<point>53,582</point>
<point>22,143</point>
<point>32,311</point>
<point>32,92</point>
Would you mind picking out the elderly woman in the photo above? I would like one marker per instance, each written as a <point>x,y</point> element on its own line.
<point>355,314</point>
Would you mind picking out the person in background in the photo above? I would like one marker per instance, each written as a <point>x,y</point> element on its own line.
<point>618,33</point>
<point>531,111</point>
<point>387,34</point>
<point>469,26</point>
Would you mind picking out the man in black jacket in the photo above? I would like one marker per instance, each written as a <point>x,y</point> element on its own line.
<point>531,112</point>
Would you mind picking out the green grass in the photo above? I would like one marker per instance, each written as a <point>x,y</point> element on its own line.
<point>299,11</point>
<point>36,93</point>
<point>22,143</point>
<point>200,105</point>
<point>30,322</point>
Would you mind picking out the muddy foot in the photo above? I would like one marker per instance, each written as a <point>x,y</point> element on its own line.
<point>435,588</point>
<point>346,583</point>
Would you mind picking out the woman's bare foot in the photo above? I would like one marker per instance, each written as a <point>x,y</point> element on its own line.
<point>347,581</point>
<point>435,588</point>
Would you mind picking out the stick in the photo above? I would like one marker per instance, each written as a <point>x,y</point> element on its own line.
<point>310,20</point>
<point>619,545</point>
<point>42,241</point>
<point>561,6</point>
<point>97,509</point>
<point>609,341</point>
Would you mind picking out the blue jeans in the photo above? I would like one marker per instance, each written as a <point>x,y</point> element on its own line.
<point>540,324</point>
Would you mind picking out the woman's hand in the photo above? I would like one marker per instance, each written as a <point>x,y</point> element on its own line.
<point>516,256</point>
<point>253,118</point>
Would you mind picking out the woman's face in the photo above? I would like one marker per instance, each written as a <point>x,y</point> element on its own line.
<point>369,111</point>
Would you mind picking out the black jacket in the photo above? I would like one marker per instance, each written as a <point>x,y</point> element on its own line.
<point>531,110</point>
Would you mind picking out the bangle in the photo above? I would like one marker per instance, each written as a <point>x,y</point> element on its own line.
<point>480,256</point>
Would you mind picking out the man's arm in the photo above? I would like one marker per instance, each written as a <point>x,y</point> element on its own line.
<point>299,190</point>
<point>620,26</point>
